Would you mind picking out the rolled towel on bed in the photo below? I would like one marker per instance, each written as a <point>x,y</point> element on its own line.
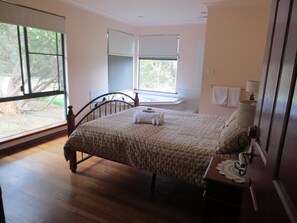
<point>155,118</point>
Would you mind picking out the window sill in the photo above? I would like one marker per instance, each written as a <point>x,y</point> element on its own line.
<point>155,92</point>
<point>33,136</point>
<point>154,98</point>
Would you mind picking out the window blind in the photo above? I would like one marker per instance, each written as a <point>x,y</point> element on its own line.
<point>120,44</point>
<point>24,16</point>
<point>158,47</point>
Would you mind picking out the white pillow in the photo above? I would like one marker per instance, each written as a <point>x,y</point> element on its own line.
<point>232,139</point>
<point>231,118</point>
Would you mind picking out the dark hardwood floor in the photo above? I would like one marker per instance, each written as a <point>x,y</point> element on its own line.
<point>37,186</point>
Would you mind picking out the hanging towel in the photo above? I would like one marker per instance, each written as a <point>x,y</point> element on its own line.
<point>234,96</point>
<point>220,95</point>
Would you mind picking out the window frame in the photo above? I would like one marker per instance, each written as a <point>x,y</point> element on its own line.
<point>160,58</point>
<point>120,46</point>
<point>30,94</point>
<point>151,90</point>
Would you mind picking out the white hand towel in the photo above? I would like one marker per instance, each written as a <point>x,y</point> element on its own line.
<point>234,96</point>
<point>155,118</point>
<point>159,119</point>
<point>220,95</point>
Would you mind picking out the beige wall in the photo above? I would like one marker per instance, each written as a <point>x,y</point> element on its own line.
<point>235,42</point>
<point>191,49</point>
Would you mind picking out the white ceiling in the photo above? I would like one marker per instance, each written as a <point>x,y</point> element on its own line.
<point>149,12</point>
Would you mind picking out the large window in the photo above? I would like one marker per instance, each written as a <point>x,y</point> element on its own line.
<point>158,63</point>
<point>120,61</point>
<point>32,83</point>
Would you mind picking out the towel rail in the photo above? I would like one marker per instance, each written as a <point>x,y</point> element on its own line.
<point>211,86</point>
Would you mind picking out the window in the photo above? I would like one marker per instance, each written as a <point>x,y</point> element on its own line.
<point>158,63</point>
<point>120,61</point>
<point>157,75</point>
<point>32,79</point>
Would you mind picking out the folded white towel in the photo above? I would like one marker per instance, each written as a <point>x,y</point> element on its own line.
<point>220,95</point>
<point>155,118</point>
<point>234,96</point>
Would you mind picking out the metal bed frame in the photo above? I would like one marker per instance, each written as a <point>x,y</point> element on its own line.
<point>103,105</point>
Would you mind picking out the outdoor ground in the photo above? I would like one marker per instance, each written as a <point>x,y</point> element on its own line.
<point>32,118</point>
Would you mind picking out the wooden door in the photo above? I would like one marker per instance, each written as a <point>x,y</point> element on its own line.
<point>270,194</point>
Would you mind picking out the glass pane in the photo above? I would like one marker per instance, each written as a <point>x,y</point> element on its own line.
<point>22,117</point>
<point>10,67</point>
<point>41,41</point>
<point>61,74</point>
<point>44,73</point>
<point>60,51</point>
<point>158,75</point>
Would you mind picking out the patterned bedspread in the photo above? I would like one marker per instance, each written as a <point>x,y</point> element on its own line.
<point>180,148</point>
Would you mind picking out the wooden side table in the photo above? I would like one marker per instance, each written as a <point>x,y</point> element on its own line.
<point>222,196</point>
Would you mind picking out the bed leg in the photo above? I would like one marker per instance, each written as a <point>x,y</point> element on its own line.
<point>153,183</point>
<point>73,162</point>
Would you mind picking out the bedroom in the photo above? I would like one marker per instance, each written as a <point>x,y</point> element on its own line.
<point>87,57</point>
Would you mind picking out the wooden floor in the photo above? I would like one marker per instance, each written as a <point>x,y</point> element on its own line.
<point>38,186</point>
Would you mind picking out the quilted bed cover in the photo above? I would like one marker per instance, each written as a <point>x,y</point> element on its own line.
<point>180,148</point>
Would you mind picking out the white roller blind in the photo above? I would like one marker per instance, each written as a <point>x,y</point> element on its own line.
<point>120,44</point>
<point>161,46</point>
<point>19,15</point>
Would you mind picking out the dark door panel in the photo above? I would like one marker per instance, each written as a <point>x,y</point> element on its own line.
<point>270,194</point>
<point>279,37</point>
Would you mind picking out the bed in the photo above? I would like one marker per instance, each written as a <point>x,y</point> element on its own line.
<point>180,148</point>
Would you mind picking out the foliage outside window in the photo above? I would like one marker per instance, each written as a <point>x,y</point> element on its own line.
<point>157,75</point>
<point>32,89</point>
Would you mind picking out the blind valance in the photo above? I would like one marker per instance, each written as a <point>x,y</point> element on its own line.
<point>24,16</point>
<point>120,44</point>
<point>159,47</point>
